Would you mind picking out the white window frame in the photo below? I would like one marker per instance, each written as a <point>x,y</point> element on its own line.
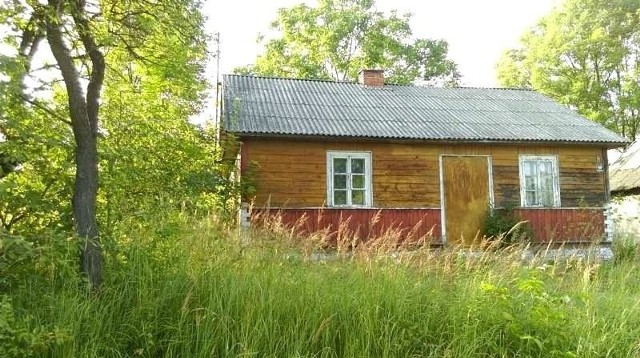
<point>368,197</point>
<point>556,179</point>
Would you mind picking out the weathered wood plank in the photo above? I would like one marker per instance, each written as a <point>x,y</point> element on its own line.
<point>466,193</point>
<point>408,175</point>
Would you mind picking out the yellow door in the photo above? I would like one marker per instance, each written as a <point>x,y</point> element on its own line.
<point>466,197</point>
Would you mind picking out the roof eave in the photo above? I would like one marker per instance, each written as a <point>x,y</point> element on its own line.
<point>604,144</point>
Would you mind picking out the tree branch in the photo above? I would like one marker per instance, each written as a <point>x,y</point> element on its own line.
<point>46,109</point>
<point>31,37</point>
<point>97,64</point>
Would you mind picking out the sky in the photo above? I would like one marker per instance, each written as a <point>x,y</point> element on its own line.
<point>478,31</point>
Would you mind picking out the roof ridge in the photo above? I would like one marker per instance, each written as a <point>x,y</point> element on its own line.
<point>288,78</point>
<point>499,88</point>
<point>386,84</point>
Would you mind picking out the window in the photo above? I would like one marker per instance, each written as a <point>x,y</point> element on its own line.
<point>539,181</point>
<point>349,179</point>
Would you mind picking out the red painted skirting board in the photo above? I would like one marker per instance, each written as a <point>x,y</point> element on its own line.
<point>409,224</point>
<point>568,225</point>
<point>553,224</point>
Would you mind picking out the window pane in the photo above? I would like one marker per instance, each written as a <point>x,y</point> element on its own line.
<point>546,182</point>
<point>340,181</point>
<point>531,199</point>
<point>546,198</point>
<point>357,165</point>
<point>546,167</point>
<point>357,181</point>
<point>529,168</point>
<point>339,165</point>
<point>529,183</point>
<point>339,197</point>
<point>357,197</point>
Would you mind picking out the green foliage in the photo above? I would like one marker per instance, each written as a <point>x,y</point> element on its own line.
<point>27,268</point>
<point>15,253</point>
<point>186,287</point>
<point>504,225</point>
<point>31,260</point>
<point>7,165</point>
<point>151,156</point>
<point>625,249</point>
<point>338,38</point>
<point>530,319</point>
<point>35,194</point>
<point>584,54</point>
<point>152,159</point>
<point>18,339</point>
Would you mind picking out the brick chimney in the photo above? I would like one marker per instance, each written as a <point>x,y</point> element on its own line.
<point>372,78</point>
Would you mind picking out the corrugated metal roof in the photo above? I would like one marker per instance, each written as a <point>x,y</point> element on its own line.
<point>624,173</point>
<point>278,106</point>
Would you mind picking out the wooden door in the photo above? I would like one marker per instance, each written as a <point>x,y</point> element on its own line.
<point>466,194</point>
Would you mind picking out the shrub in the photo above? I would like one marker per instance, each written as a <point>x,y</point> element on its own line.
<point>504,225</point>
<point>18,338</point>
<point>15,252</point>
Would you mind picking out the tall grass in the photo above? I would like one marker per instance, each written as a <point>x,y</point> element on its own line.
<point>191,288</point>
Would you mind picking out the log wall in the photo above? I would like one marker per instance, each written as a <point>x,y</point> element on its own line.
<point>292,173</point>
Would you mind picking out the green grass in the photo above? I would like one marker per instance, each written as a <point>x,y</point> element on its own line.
<point>190,289</point>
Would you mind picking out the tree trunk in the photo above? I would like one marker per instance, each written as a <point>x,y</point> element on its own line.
<point>84,202</point>
<point>84,121</point>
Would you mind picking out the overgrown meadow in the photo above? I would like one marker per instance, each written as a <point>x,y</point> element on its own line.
<point>179,281</point>
<point>191,287</point>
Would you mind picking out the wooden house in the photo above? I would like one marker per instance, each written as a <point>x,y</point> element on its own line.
<point>428,161</point>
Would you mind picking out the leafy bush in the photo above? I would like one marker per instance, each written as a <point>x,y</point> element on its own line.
<point>37,259</point>
<point>17,336</point>
<point>504,225</point>
<point>531,318</point>
<point>15,252</point>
